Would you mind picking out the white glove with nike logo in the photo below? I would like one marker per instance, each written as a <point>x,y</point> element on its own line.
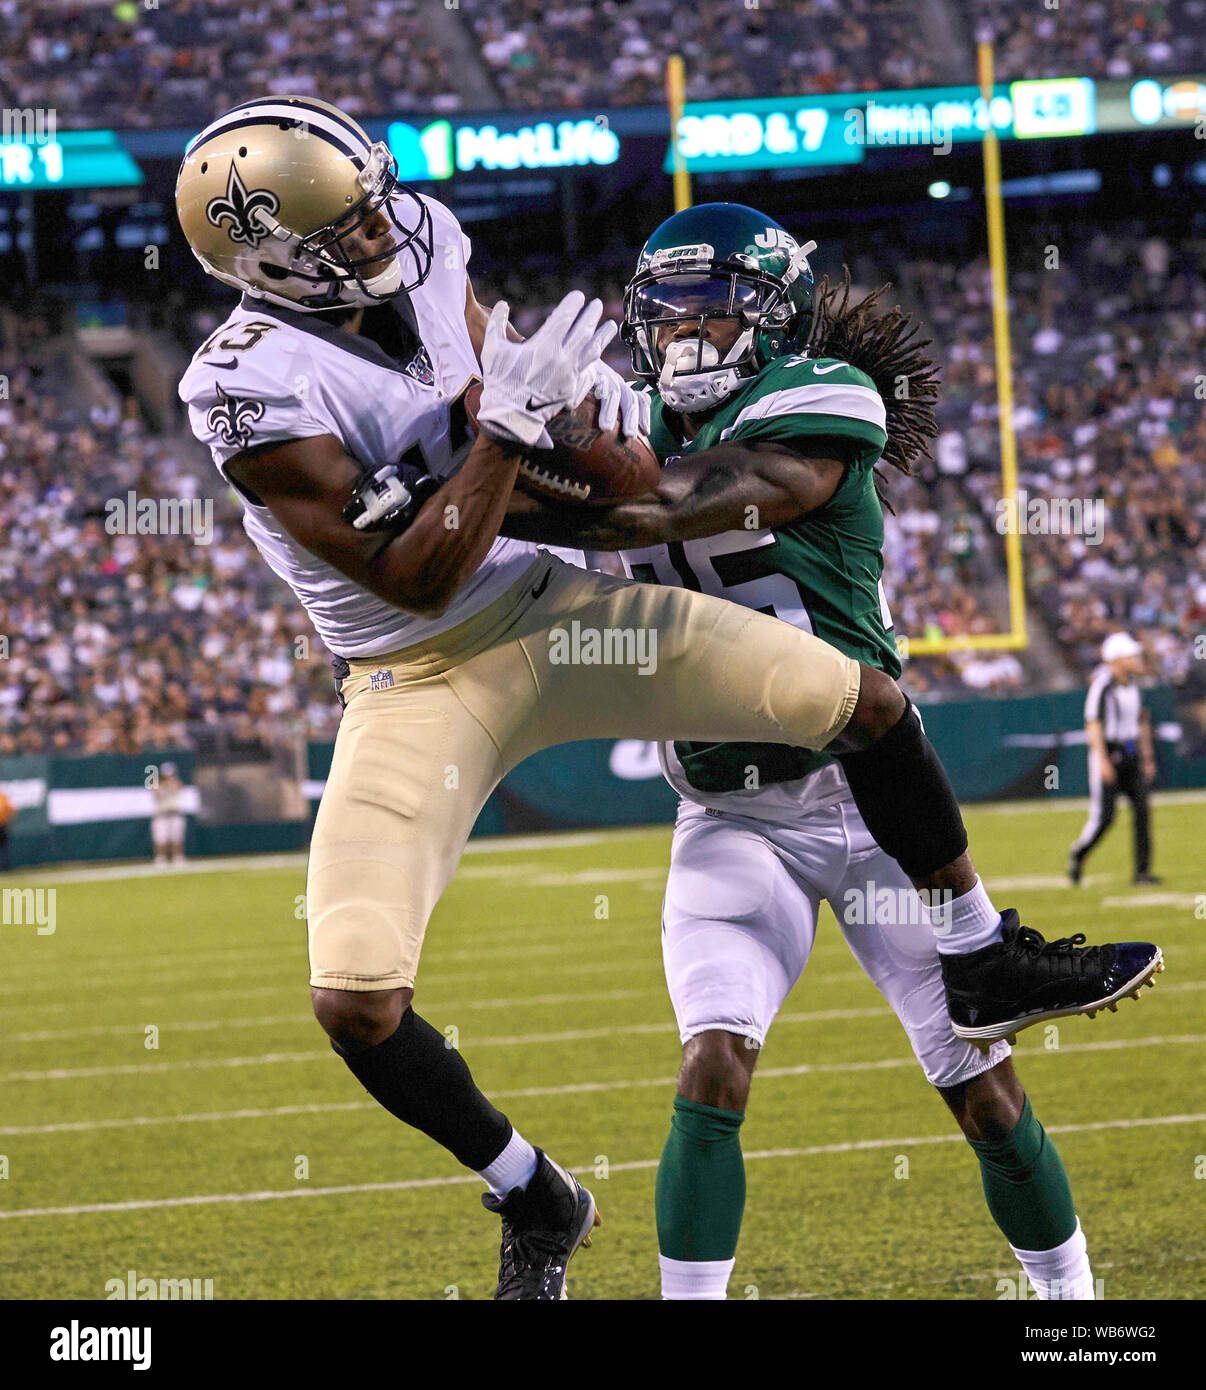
<point>526,384</point>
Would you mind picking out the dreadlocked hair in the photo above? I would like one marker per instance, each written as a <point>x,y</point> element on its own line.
<point>884,345</point>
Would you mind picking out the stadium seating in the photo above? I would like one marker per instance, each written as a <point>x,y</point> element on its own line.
<point>1098,38</point>
<point>116,644</point>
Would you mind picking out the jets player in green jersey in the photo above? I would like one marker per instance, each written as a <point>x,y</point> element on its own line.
<point>771,407</point>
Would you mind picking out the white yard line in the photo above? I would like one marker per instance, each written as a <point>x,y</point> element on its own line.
<point>1181,900</point>
<point>1017,883</point>
<point>507,1040</point>
<point>209,1025</point>
<point>1190,796</point>
<point>568,1089</point>
<point>297,983</point>
<point>526,1040</point>
<point>215,1025</point>
<point>637,1165</point>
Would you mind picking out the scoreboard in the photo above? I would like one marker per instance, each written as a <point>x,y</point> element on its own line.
<point>840,128</point>
<point>36,155</point>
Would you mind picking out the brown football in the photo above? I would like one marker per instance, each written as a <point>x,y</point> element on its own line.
<point>585,467</point>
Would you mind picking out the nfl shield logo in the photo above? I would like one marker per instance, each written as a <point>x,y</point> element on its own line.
<point>381,680</point>
<point>420,367</point>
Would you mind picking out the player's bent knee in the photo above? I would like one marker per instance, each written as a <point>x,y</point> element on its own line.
<point>354,1019</point>
<point>881,703</point>
<point>716,1069</point>
<point>988,1106</point>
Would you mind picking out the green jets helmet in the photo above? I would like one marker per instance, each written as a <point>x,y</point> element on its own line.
<point>717,260</point>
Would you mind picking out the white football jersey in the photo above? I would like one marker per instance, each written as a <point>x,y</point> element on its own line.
<point>272,374</point>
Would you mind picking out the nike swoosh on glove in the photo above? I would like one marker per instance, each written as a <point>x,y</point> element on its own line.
<point>526,384</point>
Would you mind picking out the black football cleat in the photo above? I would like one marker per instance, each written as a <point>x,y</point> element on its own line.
<point>1022,980</point>
<point>1074,868</point>
<point>542,1225</point>
<point>1141,880</point>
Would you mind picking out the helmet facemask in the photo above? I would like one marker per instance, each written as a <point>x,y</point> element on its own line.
<point>411,245</point>
<point>688,371</point>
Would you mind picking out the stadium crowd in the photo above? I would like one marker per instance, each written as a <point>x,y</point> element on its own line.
<point>544,55</point>
<point>117,643</point>
<point>130,64</point>
<point>184,62</point>
<point>1093,38</point>
<point>1111,435</point>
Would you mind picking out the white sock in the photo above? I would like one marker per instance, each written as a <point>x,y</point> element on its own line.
<point>514,1167</point>
<point>964,924</point>
<point>1062,1273</point>
<point>697,1280</point>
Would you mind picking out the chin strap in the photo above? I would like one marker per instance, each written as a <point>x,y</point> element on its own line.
<point>688,386</point>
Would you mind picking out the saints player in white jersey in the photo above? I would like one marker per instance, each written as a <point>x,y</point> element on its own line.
<point>332,400</point>
<point>769,499</point>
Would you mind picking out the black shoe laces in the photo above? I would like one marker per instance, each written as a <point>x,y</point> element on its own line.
<point>1030,940</point>
<point>525,1256</point>
<point>1070,948</point>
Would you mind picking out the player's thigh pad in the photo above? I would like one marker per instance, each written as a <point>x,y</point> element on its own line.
<point>736,928</point>
<point>614,658</point>
<point>411,770</point>
<point>879,913</point>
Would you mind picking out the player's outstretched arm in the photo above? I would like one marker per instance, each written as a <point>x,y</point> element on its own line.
<point>732,487</point>
<point>306,483</point>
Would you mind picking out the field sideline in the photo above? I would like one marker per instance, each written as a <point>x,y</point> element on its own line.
<point>170,1107</point>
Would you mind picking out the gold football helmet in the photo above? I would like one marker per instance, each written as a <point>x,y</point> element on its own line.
<point>270,194</point>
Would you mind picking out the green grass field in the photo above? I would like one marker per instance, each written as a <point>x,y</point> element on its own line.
<point>240,1149</point>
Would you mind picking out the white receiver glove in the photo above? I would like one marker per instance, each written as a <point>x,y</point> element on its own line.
<point>619,400</point>
<point>526,384</point>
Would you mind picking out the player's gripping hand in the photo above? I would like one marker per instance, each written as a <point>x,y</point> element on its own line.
<point>527,383</point>
<point>618,401</point>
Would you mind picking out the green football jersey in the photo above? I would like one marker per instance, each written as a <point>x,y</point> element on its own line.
<point>822,573</point>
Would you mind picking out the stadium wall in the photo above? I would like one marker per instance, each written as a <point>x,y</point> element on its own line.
<point>91,808</point>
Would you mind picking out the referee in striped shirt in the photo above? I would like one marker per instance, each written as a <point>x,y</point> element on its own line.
<point>1121,754</point>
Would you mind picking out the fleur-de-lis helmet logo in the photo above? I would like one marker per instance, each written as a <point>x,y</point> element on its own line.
<point>238,208</point>
<point>231,419</point>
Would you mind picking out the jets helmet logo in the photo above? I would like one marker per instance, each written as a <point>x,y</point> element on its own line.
<point>238,208</point>
<point>231,419</point>
<point>775,237</point>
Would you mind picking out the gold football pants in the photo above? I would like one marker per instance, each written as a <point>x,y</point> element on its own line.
<point>564,654</point>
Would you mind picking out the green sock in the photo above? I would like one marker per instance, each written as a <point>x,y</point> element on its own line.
<point>701,1183</point>
<point>1026,1186</point>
